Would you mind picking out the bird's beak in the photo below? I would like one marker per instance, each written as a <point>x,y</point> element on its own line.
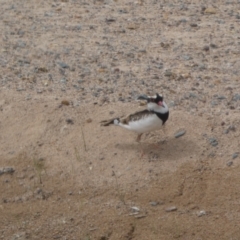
<point>143,97</point>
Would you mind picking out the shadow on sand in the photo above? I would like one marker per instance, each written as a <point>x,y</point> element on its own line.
<point>171,149</point>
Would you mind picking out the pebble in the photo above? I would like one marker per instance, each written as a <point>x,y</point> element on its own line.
<point>63,65</point>
<point>89,120</point>
<point>168,73</point>
<point>154,203</point>
<point>213,142</point>
<point>214,103</point>
<point>230,163</point>
<point>193,25</point>
<point>63,80</point>
<point>9,170</point>
<point>135,209</point>
<point>201,213</point>
<point>236,97</point>
<point>69,121</point>
<point>65,102</point>
<point>171,209</point>
<point>206,48</point>
<point>210,11</point>
<point>235,155</point>
<point>212,45</point>
<point>186,57</point>
<point>180,133</point>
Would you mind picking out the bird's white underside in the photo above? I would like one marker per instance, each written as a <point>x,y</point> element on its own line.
<point>146,124</point>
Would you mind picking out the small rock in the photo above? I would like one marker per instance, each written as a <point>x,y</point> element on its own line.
<point>171,209</point>
<point>39,91</point>
<point>65,102</point>
<point>206,48</point>
<point>168,73</point>
<point>236,97</point>
<point>63,80</point>
<point>135,209</point>
<point>213,142</point>
<point>63,65</point>
<point>201,213</point>
<point>69,121</point>
<point>132,26</point>
<point>180,133</point>
<point>42,70</point>
<point>89,120</point>
<point>232,128</point>
<point>230,163</point>
<point>214,103</point>
<point>212,45</point>
<point>210,11</point>
<point>235,155</point>
<point>193,25</point>
<point>109,20</point>
<point>7,170</point>
<point>154,203</point>
<point>186,57</point>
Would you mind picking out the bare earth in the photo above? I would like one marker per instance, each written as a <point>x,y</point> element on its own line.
<point>65,66</point>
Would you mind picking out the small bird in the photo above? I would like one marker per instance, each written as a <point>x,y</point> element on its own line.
<point>150,119</point>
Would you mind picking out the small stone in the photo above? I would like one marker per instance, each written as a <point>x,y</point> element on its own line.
<point>193,25</point>
<point>235,155</point>
<point>171,209</point>
<point>168,73</point>
<point>7,170</point>
<point>212,45</point>
<point>65,102</point>
<point>69,121</point>
<point>214,103</point>
<point>206,48</point>
<point>226,131</point>
<point>154,203</point>
<point>180,133</point>
<point>63,80</point>
<point>135,209</point>
<point>230,163</point>
<point>210,11</point>
<point>186,57</point>
<point>42,70</point>
<point>201,213</point>
<point>109,20</point>
<point>63,65</point>
<point>89,120</point>
<point>132,26</point>
<point>213,142</point>
<point>236,97</point>
<point>232,128</point>
<point>142,104</point>
<point>220,97</point>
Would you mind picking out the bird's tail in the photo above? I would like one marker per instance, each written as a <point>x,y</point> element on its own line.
<point>114,121</point>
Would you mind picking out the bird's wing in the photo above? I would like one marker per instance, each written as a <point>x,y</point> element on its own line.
<point>109,121</point>
<point>136,116</point>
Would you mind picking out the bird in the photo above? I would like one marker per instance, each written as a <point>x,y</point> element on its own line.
<point>147,120</point>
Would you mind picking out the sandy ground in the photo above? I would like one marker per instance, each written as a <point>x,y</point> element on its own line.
<point>65,66</point>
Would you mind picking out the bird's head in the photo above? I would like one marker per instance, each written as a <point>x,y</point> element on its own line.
<point>155,103</point>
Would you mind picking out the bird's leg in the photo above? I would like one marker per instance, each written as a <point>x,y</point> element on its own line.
<point>139,137</point>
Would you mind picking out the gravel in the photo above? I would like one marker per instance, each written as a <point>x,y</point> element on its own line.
<point>180,133</point>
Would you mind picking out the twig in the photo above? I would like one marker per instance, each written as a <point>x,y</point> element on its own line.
<point>85,147</point>
<point>121,197</point>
